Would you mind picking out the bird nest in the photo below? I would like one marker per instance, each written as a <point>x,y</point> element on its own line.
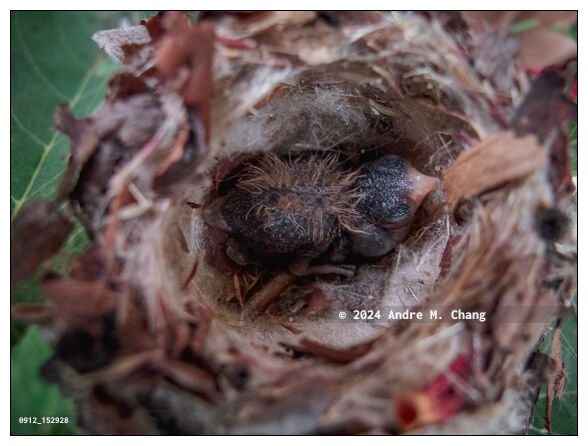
<point>163,326</point>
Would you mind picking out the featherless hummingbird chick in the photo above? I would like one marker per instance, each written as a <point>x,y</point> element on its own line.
<point>310,207</point>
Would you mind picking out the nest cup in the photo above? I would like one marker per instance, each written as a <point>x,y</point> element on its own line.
<point>324,110</point>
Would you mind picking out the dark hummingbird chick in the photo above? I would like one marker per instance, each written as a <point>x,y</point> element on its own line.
<point>298,208</point>
<point>391,191</point>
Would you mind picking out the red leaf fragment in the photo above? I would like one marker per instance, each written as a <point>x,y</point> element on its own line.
<point>441,399</point>
<point>191,275</point>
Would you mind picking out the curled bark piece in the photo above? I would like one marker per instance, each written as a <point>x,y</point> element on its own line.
<point>556,383</point>
<point>490,163</point>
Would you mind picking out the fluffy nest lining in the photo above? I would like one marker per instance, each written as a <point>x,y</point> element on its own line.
<point>326,113</point>
<point>172,345</point>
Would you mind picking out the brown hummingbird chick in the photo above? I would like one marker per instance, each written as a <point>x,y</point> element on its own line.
<point>301,208</point>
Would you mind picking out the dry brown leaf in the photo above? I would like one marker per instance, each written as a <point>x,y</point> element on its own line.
<point>490,163</point>
<point>545,113</point>
<point>184,58</point>
<point>542,47</point>
<point>32,313</point>
<point>126,84</point>
<point>191,378</point>
<point>112,41</point>
<point>82,133</point>
<point>38,232</point>
<point>79,302</point>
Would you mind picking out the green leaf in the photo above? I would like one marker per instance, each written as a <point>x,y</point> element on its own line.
<point>30,395</point>
<point>572,31</point>
<point>523,26</point>
<point>53,60</point>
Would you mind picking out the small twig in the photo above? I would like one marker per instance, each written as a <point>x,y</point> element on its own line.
<point>238,294</point>
<point>276,286</point>
<point>135,210</point>
<point>254,279</point>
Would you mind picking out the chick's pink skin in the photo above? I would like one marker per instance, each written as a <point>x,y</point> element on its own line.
<point>421,185</point>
